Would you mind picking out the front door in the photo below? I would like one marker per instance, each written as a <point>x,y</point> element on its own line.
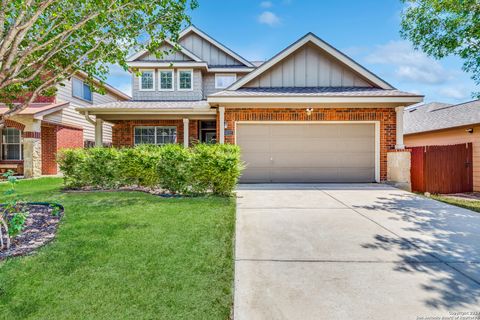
<point>208,131</point>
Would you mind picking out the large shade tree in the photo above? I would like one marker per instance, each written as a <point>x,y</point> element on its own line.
<point>44,42</point>
<point>445,27</point>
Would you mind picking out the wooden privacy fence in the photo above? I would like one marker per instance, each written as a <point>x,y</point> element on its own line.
<point>442,169</point>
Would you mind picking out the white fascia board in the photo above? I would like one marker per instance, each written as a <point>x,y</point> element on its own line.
<point>205,36</point>
<point>324,46</point>
<point>231,70</point>
<point>157,64</point>
<point>293,100</point>
<point>94,111</point>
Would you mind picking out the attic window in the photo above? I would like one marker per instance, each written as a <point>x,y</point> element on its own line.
<point>224,80</point>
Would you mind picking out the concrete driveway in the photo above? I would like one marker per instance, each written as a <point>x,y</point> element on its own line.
<point>361,251</point>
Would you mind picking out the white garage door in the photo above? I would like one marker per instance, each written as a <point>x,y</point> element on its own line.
<point>317,152</point>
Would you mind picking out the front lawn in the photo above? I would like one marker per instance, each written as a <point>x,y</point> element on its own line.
<point>473,205</point>
<point>124,255</point>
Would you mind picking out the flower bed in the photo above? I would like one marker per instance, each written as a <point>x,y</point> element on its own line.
<point>201,169</point>
<point>39,228</point>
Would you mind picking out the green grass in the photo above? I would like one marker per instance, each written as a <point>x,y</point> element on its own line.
<point>473,205</point>
<point>124,255</point>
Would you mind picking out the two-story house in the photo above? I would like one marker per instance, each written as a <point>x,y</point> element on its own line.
<point>30,140</point>
<point>308,114</point>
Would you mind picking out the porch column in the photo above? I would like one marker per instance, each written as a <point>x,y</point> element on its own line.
<point>185,133</point>
<point>221,125</point>
<point>98,132</point>
<point>32,149</point>
<point>399,129</point>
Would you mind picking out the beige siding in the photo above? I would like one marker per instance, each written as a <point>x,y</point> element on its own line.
<point>452,136</point>
<point>69,116</point>
<point>207,51</point>
<point>309,67</point>
<point>168,55</point>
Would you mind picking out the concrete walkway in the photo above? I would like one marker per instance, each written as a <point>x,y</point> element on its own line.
<point>361,251</point>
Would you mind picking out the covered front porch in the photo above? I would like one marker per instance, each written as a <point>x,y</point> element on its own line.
<point>156,122</point>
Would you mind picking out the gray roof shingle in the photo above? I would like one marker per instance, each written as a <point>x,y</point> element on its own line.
<point>316,91</point>
<point>436,116</point>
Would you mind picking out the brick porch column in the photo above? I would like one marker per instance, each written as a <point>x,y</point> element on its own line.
<point>399,129</point>
<point>32,150</point>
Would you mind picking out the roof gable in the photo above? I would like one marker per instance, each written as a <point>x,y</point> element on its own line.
<point>311,62</point>
<point>169,53</point>
<point>209,49</point>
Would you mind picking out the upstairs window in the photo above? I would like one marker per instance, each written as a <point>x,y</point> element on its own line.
<point>81,90</point>
<point>185,79</point>
<point>147,80</point>
<point>224,80</point>
<point>12,148</point>
<point>166,80</point>
<point>155,135</point>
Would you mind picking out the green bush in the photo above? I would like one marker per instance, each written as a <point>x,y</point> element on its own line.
<point>198,170</point>
<point>215,168</point>
<point>174,169</point>
<point>139,166</point>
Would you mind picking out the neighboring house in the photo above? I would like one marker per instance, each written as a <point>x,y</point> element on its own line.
<point>309,114</point>
<point>444,124</point>
<point>31,139</point>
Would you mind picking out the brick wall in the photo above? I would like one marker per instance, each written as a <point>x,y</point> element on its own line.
<point>386,116</point>
<point>55,138</point>
<point>122,135</point>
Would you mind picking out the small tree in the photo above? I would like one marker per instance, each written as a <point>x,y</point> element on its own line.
<point>44,42</point>
<point>445,27</point>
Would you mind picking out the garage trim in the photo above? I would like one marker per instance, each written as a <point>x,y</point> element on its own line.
<point>377,135</point>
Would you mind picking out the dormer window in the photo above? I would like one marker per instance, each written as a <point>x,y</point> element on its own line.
<point>147,80</point>
<point>166,80</point>
<point>224,80</point>
<point>185,80</point>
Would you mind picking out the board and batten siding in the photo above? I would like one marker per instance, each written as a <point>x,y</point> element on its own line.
<point>309,67</point>
<point>169,54</point>
<point>449,137</point>
<point>69,116</point>
<point>208,52</point>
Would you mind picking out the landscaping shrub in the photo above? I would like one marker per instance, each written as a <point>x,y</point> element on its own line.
<point>139,166</point>
<point>216,168</point>
<point>174,169</point>
<point>201,169</point>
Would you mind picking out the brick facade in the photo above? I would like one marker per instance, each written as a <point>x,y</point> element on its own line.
<point>386,117</point>
<point>122,131</point>
<point>55,138</point>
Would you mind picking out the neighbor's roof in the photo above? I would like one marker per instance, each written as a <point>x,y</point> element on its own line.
<point>436,116</point>
<point>148,105</point>
<point>37,109</point>
<point>315,91</point>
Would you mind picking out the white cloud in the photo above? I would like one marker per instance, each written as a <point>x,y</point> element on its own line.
<point>269,18</point>
<point>266,4</point>
<point>409,64</point>
<point>451,92</point>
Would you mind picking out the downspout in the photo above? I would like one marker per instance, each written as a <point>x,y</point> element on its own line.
<point>98,125</point>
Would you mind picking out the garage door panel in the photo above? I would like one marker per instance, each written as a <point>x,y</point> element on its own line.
<point>308,152</point>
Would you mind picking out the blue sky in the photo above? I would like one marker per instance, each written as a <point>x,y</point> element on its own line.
<point>367,31</point>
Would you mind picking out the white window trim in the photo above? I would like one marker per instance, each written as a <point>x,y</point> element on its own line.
<point>82,98</point>
<point>20,156</point>
<point>160,79</point>
<point>224,74</point>
<point>148,127</point>
<point>178,79</point>
<point>140,80</point>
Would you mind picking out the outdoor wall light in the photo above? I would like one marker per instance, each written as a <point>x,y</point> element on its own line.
<point>469,130</point>
<point>225,124</point>
<point>309,111</point>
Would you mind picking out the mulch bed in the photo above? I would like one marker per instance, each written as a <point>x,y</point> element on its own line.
<point>40,228</point>
<point>154,191</point>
